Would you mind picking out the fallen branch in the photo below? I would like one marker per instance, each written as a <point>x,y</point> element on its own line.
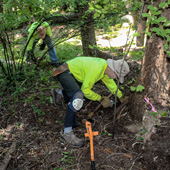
<point>7,158</point>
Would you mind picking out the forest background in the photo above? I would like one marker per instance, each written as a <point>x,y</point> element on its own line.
<point>30,124</point>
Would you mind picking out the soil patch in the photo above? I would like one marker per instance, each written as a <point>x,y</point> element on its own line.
<point>35,136</point>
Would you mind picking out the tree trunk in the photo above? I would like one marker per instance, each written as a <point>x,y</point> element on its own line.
<point>155,76</point>
<point>87,31</point>
<point>88,38</point>
<point>141,29</point>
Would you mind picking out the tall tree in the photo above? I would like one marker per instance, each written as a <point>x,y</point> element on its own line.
<point>155,71</point>
<point>134,8</point>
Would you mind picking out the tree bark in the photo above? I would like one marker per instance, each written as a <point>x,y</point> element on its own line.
<point>88,34</point>
<point>141,29</point>
<point>154,76</point>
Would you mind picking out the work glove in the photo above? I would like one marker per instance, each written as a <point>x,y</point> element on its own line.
<point>106,102</point>
<point>42,46</point>
<point>123,99</point>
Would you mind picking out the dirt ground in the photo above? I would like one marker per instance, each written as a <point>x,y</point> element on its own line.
<point>31,141</point>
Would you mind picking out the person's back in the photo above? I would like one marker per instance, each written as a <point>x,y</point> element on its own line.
<point>41,31</point>
<point>77,77</point>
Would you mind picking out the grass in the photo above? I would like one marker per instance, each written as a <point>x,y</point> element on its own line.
<point>67,51</point>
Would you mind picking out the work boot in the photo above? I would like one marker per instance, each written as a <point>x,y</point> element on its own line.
<point>71,139</point>
<point>57,97</point>
<point>55,64</point>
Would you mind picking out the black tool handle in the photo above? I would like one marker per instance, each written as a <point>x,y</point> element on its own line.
<point>92,165</point>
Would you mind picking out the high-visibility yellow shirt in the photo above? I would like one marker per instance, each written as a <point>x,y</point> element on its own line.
<point>35,35</point>
<point>88,71</point>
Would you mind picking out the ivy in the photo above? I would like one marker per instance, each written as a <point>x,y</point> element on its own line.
<point>139,88</point>
<point>155,18</point>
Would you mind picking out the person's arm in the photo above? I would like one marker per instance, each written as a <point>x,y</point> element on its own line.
<point>30,44</point>
<point>87,85</point>
<point>111,85</point>
<point>48,29</point>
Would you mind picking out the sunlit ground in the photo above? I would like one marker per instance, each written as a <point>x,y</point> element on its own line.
<point>119,41</point>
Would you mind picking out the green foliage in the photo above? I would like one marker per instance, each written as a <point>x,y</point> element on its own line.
<point>15,12</point>
<point>59,168</point>
<point>137,55</point>
<point>68,157</point>
<point>102,8</point>
<point>139,88</point>
<point>163,114</point>
<point>136,34</point>
<point>154,113</point>
<point>163,5</point>
<point>67,50</point>
<point>37,110</point>
<point>140,137</point>
<point>1,137</point>
<point>155,18</point>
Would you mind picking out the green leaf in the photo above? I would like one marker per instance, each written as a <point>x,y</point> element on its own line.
<point>71,152</point>
<point>158,31</point>
<point>157,12</point>
<point>154,113</point>
<point>140,88</point>
<point>98,6</point>
<point>163,5</point>
<point>109,134</point>
<point>168,52</point>
<point>91,47</point>
<point>140,138</point>
<point>148,33</point>
<point>136,34</point>
<point>152,8</point>
<point>132,88</point>
<point>62,159</point>
<point>144,130</point>
<point>145,15</point>
<point>65,152</point>
<point>105,1</point>
<point>161,19</point>
<point>96,15</point>
<point>152,17</point>
<point>163,114</point>
<point>166,24</point>
<point>91,6</point>
<point>167,31</point>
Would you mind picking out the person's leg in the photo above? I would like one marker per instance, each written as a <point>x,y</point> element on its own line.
<point>51,48</point>
<point>71,91</point>
<point>75,95</point>
<point>70,122</point>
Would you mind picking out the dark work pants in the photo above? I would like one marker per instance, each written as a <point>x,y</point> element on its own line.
<point>70,87</point>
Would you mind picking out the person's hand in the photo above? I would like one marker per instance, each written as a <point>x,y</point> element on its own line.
<point>42,46</point>
<point>123,99</point>
<point>106,102</point>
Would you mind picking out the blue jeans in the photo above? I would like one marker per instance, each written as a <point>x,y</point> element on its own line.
<point>70,87</point>
<point>52,52</point>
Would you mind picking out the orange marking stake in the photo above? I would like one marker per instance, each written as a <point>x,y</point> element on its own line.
<point>90,134</point>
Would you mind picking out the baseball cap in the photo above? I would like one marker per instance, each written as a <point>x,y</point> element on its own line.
<point>116,65</point>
